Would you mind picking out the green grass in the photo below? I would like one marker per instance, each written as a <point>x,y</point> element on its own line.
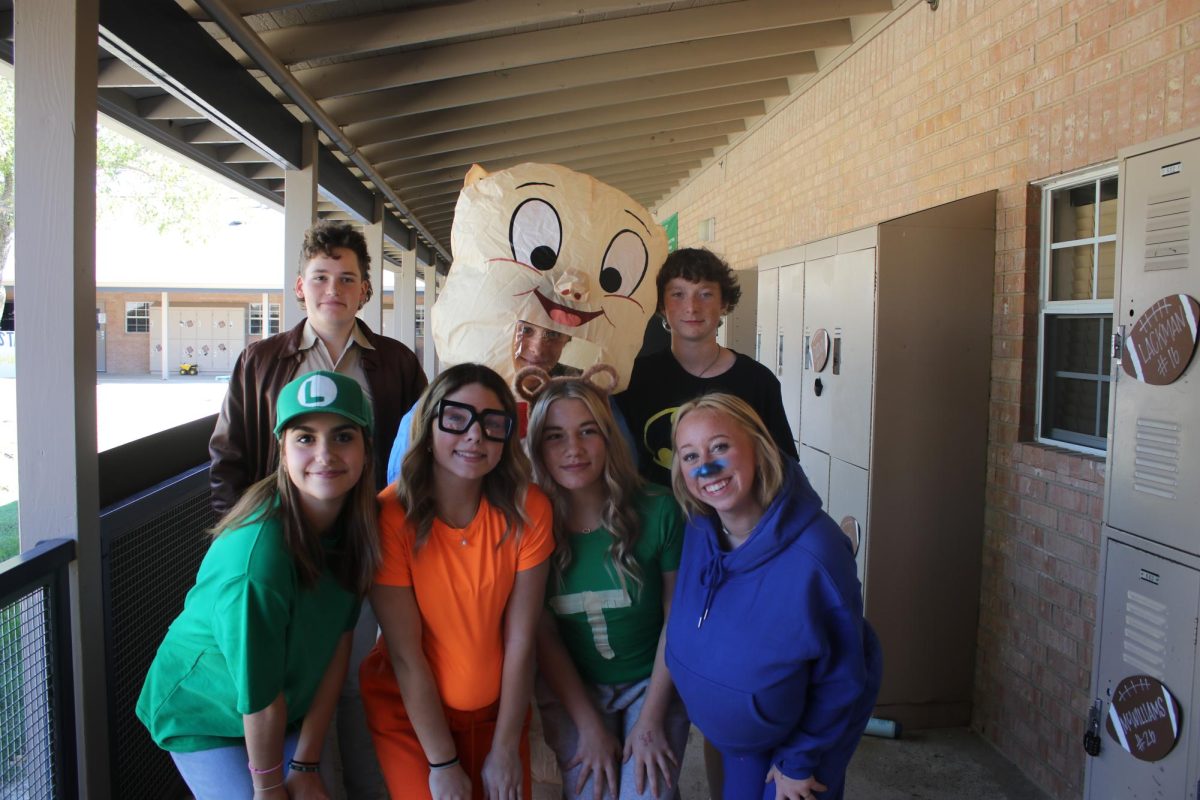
<point>10,543</point>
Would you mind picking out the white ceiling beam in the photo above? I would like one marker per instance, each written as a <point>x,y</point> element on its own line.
<point>116,74</point>
<point>576,72</point>
<point>572,41</point>
<point>604,152</point>
<point>672,94</point>
<point>487,151</point>
<point>627,120</point>
<point>552,154</point>
<point>166,106</point>
<point>208,133</point>
<point>370,32</point>
<point>561,142</point>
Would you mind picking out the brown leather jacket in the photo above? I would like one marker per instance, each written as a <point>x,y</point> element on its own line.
<point>243,447</point>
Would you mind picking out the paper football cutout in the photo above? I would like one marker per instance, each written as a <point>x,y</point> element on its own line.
<point>551,246</point>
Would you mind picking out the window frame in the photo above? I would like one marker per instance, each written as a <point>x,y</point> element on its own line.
<point>132,306</point>
<point>1077,309</point>
<point>254,319</point>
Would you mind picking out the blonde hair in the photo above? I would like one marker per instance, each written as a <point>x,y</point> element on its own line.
<point>621,482</point>
<point>504,486</point>
<point>768,465</point>
<point>354,561</point>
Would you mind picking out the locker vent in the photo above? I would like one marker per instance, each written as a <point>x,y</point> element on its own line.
<point>1156,458</point>
<point>1145,634</point>
<point>1168,226</point>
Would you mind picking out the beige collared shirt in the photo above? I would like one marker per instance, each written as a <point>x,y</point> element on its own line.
<point>315,355</point>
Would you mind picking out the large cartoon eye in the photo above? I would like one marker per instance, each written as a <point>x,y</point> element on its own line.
<point>536,234</point>
<point>624,264</point>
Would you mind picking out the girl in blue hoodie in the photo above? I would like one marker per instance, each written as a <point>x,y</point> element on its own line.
<point>766,640</point>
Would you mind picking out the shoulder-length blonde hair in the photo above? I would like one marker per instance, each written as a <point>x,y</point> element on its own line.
<point>354,561</point>
<point>504,486</point>
<point>621,481</point>
<point>768,465</point>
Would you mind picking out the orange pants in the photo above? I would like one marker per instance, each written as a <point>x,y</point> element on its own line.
<point>403,762</point>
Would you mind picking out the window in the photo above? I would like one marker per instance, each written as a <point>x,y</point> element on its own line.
<point>254,319</point>
<point>420,319</point>
<point>137,317</point>
<point>1079,253</point>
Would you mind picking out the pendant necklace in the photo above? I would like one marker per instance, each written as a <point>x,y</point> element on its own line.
<point>711,364</point>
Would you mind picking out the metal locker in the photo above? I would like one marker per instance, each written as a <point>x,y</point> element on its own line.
<point>848,507</point>
<point>1154,465</point>
<point>791,341</point>
<point>817,406</point>
<point>1148,627</point>
<point>894,376</point>
<point>816,466</point>
<point>852,356</point>
<point>766,336</point>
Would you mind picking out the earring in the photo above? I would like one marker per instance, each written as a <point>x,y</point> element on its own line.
<point>666,325</point>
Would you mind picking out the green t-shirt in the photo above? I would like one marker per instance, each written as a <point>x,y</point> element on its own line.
<point>247,632</point>
<point>611,635</point>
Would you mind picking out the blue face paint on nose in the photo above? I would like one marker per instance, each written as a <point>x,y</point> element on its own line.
<point>708,469</point>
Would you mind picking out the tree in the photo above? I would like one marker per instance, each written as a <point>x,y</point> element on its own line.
<point>161,192</point>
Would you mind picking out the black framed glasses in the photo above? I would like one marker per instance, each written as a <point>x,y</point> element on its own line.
<point>455,417</point>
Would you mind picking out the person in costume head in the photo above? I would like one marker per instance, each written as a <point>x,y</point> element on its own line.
<point>242,689</point>
<point>766,640</point>
<point>553,269</point>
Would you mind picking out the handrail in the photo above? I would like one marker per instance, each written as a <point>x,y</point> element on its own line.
<point>21,571</point>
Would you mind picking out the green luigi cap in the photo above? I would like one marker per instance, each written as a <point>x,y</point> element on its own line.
<point>322,393</point>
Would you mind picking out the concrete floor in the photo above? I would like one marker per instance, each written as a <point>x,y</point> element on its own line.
<point>944,764</point>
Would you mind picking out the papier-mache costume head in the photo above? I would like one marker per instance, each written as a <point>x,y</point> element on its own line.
<point>544,244</point>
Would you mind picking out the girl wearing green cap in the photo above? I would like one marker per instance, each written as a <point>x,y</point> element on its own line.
<point>243,686</point>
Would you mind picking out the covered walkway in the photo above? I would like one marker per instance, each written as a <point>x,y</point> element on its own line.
<point>753,127</point>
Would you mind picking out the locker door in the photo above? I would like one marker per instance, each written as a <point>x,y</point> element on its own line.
<point>816,466</point>
<point>766,340</point>
<point>791,341</point>
<point>852,361</point>
<point>848,498</point>
<point>1155,455</point>
<point>1147,627</point>
<point>816,421</point>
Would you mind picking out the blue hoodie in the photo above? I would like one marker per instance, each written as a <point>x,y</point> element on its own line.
<point>767,644</point>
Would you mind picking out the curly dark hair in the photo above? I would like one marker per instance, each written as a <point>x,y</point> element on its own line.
<point>697,264</point>
<point>323,237</point>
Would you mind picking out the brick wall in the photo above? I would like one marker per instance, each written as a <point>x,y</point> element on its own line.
<point>129,353</point>
<point>944,104</point>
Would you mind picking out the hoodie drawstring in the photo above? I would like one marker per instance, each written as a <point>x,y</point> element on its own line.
<point>710,578</point>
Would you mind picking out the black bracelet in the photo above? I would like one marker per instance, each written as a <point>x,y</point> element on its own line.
<point>443,765</point>
<point>304,766</point>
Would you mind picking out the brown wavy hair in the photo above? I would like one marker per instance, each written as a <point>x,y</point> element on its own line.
<point>356,558</point>
<point>696,264</point>
<point>504,487</point>
<point>621,482</point>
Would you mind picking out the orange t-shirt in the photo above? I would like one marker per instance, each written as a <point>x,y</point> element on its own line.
<point>462,589</point>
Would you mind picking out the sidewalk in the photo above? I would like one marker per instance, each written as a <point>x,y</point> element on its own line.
<point>942,764</point>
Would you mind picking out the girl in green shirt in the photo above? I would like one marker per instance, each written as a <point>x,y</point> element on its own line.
<point>609,709</point>
<point>243,686</point>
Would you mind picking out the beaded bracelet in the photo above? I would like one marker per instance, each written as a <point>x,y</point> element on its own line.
<point>304,766</point>
<point>254,771</point>
<point>444,765</point>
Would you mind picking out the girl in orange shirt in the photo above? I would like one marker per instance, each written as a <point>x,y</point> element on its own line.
<point>466,541</point>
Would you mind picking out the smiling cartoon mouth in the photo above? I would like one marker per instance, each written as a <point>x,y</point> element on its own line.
<point>563,315</point>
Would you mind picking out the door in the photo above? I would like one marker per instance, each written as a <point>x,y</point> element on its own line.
<point>791,342</point>
<point>100,346</point>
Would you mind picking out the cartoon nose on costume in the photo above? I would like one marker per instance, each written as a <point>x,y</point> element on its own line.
<point>572,285</point>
